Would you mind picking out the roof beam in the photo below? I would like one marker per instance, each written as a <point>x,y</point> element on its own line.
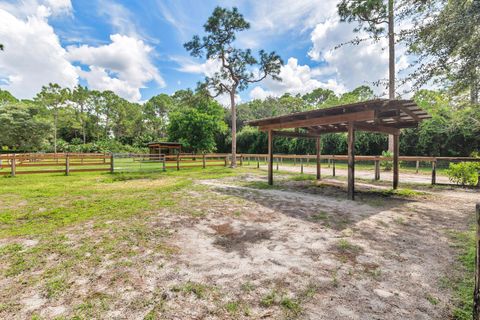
<point>410,113</point>
<point>376,128</point>
<point>293,134</point>
<point>354,116</point>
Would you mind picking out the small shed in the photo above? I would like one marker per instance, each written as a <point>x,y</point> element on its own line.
<point>166,148</point>
<point>379,115</point>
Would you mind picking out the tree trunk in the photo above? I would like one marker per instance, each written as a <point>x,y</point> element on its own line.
<point>474,89</point>
<point>55,121</point>
<point>84,129</point>
<point>391,63</point>
<point>233,163</point>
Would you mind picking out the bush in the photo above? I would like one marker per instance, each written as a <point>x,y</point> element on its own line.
<point>387,164</point>
<point>464,173</point>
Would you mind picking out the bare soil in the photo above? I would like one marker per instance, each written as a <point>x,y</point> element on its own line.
<point>233,250</point>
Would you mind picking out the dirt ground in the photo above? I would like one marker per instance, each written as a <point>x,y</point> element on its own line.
<point>404,177</point>
<point>233,248</point>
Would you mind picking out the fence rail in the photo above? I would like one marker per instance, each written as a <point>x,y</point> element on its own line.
<point>332,160</point>
<point>32,163</point>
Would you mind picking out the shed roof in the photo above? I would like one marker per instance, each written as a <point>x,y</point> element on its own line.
<point>379,115</point>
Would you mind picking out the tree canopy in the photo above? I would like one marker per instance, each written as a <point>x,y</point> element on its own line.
<point>235,72</point>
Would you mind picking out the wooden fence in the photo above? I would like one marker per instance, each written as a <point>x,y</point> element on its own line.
<point>32,163</point>
<point>302,160</point>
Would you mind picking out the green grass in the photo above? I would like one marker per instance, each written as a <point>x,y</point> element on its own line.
<point>463,283</point>
<point>41,203</point>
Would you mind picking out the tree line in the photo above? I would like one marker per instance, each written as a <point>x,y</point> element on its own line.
<point>82,120</point>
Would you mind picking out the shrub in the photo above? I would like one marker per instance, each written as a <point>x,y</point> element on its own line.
<point>386,164</point>
<point>464,173</point>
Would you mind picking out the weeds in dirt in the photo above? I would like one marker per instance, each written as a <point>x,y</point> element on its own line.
<point>347,251</point>
<point>434,301</point>
<point>320,216</point>
<point>198,289</point>
<point>290,305</point>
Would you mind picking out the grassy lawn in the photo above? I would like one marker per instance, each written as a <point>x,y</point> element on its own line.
<point>57,231</point>
<point>40,203</point>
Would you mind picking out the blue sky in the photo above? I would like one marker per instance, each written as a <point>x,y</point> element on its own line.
<point>135,48</point>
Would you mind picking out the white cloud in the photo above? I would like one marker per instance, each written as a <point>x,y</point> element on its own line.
<point>123,66</point>
<point>352,65</point>
<point>278,16</point>
<point>119,18</point>
<point>33,55</point>
<point>296,79</point>
<point>60,6</point>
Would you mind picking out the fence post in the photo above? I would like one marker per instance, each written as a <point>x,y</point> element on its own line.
<point>434,172</point>
<point>226,161</point>
<point>333,166</point>
<point>301,165</point>
<point>164,165</point>
<point>178,161</point>
<point>241,160</point>
<point>294,160</point>
<point>67,164</point>
<point>112,163</point>
<point>13,165</point>
<point>203,161</point>
<point>277,162</point>
<point>377,169</point>
<point>476,292</point>
<point>258,163</point>
<point>417,165</point>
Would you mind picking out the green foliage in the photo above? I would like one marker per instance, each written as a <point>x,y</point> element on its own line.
<point>221,31</point>
<point>22,126</point>
<point>197,124</point>
<point>464,173</point>
<point>386,164</point>
<point>446,45</point>
<point>369,14</point>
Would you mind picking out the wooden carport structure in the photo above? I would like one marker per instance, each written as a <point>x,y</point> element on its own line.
<point>379,115</point>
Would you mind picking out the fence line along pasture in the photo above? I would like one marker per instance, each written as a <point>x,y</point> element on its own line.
<point>33,163</point>
<point>303,160</point>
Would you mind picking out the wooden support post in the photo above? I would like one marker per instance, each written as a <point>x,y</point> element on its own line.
<point>476,292</point>
<point>417,165</point>
<point>241,160</point>
<point>319,153</point>
<point>13,166</point>
<point>333,166</point>
<point>396,151</point>
<point>377,169</point>
<point>67,164</point>
<point>226,161</point>
<point>258,163</point>
<point>164,165</point>
<point>351,162</point>
<point>270,157</point>
<point>178,161</point>
<point>203,161</point>
<point>301,165</point>
<point>434,172</point>
<point>112,163</point>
